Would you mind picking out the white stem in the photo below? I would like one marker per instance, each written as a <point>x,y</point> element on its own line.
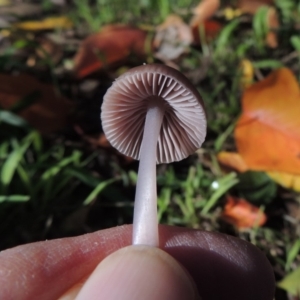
<point>145,223</point>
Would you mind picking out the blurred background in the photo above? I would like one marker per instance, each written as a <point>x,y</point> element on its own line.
<point>60,177</point>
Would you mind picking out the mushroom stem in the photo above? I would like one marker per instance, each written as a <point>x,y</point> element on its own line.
<point>145,223</point>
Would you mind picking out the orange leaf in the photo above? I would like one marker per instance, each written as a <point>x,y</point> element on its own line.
<point>112,45</point>
<point>233,161</point>
<point>202,13</point>
<point>204,10</point>
<point>268,132</point>
<point>242,214</point>
<point>47,114</point>
<point>289,181</point>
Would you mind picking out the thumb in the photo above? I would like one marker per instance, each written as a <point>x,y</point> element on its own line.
<point>139,272</point>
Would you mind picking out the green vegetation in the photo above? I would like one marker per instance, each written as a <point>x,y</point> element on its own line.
<point>60,184</point>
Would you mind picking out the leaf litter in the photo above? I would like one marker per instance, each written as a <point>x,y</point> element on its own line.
<point>36,71</point>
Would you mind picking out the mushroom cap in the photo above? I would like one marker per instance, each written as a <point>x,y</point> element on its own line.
<point>125,106</point>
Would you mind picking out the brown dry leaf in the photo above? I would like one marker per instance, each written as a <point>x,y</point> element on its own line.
<point>204,10</point>
<point>251,6</point>
<point>273,25</point>
<point>45,24</point>
<point>200,21</point>
<point>50,111</point>
<point>211,29</point>
<point>242,214</point>
<point>172,38</point>
<point>112,45</point>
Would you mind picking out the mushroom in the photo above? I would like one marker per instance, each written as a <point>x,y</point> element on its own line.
<point>154,114</point>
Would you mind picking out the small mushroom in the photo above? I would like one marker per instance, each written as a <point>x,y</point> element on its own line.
<point>154,114</point>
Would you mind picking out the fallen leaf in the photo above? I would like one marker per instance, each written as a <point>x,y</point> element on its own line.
<point>289,181</point>
<point>273,25</point>
<point>200,23</point>
<point>203,11</point>
<point>210,28</point>
<point>48,113</point>
<point>172,38</point>
<point>112,45</point>
<point>242,214</point>
<point>268,132</point>
<point>232,160</point>
<point>45,24</point>
<point>251,6</point>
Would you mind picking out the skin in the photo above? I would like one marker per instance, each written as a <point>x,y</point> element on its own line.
<point>221,266</point>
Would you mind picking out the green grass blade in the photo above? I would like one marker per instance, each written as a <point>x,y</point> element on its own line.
<point>224,185</point>
<point>11,164</point>
<point>12,119</point>
<point>101,186</point>
<point>14,198</point>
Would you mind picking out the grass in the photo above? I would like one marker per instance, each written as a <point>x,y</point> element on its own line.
<point>47,182</point>
<point>144,11</point>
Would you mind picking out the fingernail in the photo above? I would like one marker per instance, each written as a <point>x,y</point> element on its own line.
<point>139,272</point>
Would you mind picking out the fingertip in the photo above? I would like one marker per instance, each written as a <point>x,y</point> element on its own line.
<point>222,266</point>
<point>72,293</point>
<point>139,272</point>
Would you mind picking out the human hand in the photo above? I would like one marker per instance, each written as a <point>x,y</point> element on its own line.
<point>219,266</point>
